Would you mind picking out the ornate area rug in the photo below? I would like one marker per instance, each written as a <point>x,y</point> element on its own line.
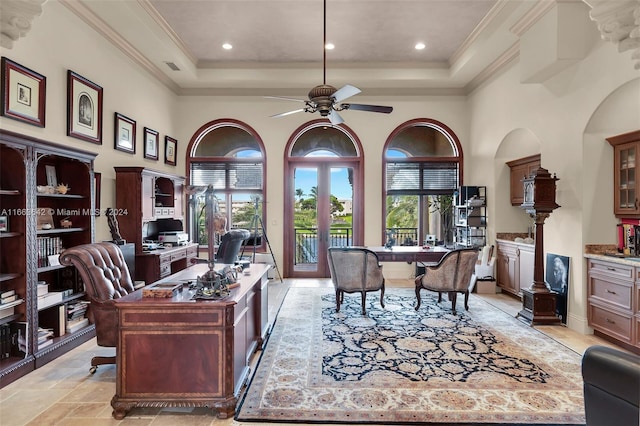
<point>399,366</point>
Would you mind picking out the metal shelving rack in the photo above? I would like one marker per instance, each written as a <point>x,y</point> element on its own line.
<point>471,216</point>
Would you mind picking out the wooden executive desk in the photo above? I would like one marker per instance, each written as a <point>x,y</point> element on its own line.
<point>180,352</point>
<point>410,254</point>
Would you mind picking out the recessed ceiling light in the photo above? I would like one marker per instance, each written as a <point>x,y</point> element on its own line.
<point>227,46</point>
<point>420,46</point>
<point>329,46</point>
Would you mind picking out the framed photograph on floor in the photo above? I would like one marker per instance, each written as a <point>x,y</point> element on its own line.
<point>557,278</point>
<point>151,144</point>
<point>84,109</point>
<point>170,146</point>
<point>125,134</point>
<point>23,93</point>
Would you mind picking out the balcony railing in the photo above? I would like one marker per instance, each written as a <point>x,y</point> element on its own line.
<point>307,241</point>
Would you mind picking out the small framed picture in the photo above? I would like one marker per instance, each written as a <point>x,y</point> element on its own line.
<point>84,109</point>
<point>151,143</point>
<point>23,93</point>
<point>170,145</point>
<point>4,223</point>
<point>52,179</point>
<point>125,134</point>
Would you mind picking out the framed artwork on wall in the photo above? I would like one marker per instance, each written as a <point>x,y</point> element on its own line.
<point>151,144</point>
<point>84,109</point>
<point>125,134</point>
<point>23,93</point>
<point>557,278</point>
<point>170,146</point>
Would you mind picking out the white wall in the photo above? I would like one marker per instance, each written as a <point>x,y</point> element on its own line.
<point>557,114</point>
<point>59,41</point>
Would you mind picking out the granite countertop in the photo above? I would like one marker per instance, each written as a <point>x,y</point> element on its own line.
<point>608,253</point>
<point>513,236</point>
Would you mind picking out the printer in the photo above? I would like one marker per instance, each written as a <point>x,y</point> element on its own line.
<point>175,238</point>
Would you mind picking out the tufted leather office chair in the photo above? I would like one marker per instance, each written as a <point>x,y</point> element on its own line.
<point>106,277</point>
<point>230,245</point>
<point>611,387</point>
<point>355,270</point>
<point>452,275</point>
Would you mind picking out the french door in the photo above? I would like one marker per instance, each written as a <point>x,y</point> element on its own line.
<point>321,214</point>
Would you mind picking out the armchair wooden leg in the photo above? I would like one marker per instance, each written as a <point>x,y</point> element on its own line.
<point>453,296</point>
<point>363,297</point>
<point>382,296</point>
<point>440,297</point>
<point>466,300</point>
<point>418,297</point>
<point>338,299</point>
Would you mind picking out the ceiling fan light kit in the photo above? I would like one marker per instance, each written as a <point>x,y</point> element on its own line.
<point>325,98</point>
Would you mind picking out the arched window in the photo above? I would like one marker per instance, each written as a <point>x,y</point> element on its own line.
<point>229,155</point>
<point>422,170</point>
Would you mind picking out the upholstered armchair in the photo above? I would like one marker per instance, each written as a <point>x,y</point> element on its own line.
<point>106,277</point>
<point>611,386</point>
<point>452,275</point>
<point>230,245</point>
<point>355,270</point>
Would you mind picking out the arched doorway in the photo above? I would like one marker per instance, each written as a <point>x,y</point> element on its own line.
<point>323,196</point>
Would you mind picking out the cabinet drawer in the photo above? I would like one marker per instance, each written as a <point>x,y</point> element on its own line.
<point>165,269</point>
<point>612,323</point>
<point>636,333</point>
<point>613,293</point>
<point>192,251</point>
<point>175,316</point>
<point>181,254</point>
<point>611,269</point>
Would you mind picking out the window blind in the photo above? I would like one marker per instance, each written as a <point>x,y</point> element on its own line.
<point>421,178</point>
<point>225,176</point>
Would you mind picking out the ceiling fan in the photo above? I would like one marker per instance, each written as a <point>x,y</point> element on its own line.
<point>325,98</point>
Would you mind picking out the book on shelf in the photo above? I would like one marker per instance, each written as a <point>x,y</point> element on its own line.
<point>43,288</point>
<point>44,343</point>
<point>49,299</point>
<point>5,300</point>
<point>7,293</point>
<point>7,309</point>
<point>73,326</point>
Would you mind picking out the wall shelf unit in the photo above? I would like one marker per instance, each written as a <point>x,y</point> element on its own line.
<point>28,167</point>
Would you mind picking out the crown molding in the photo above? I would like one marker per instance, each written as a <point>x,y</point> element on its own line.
<point>495,68</point>
<point>118,41</point>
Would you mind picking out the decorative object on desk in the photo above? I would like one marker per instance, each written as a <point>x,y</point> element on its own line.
<point>4,223</point>
<point>24,93</point>
<point>211,285</point>
<point>443,205</point>
<point>84,109</point>
<point>557,278</point>
<point>170,147</point>
<point>125,134</point>
<point>112,220</point>
<point>161,290</point>
<point>538,302</point>
<point>151,143</point>
<point>62,188</point>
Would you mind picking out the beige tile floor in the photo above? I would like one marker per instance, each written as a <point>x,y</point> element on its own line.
<point>64,393</point>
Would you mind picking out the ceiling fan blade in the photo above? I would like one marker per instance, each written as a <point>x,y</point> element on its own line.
<point>282,98</point>
<point>335,118</point>
<point>345,92</point>
<point>371,108</point>
<point>282,114</point>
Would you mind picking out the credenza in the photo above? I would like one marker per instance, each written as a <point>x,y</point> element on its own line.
<point>179,352</point>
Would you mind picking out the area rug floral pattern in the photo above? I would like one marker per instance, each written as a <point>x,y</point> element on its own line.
<point>396,365</point>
